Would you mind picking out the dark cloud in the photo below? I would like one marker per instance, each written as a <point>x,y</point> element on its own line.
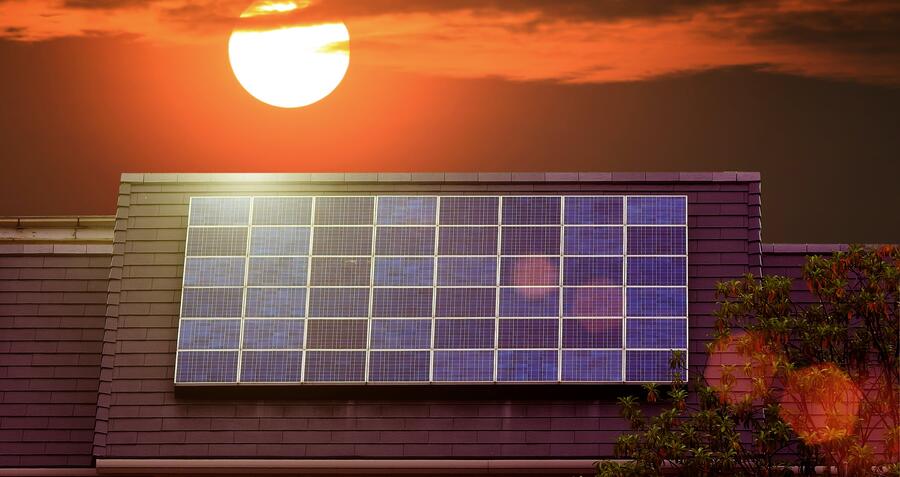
<point>105,4</point>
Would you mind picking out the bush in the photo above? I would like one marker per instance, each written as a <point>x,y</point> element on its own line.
<point>788,386</point>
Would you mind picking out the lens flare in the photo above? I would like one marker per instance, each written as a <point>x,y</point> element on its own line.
<point>821,403</point>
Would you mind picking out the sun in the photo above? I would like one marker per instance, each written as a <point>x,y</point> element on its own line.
<point>284,63</point>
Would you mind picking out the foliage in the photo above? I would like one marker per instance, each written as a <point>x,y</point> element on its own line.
<point>788,385</point>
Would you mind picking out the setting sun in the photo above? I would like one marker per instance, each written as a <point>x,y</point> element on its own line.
<point>285,64</point>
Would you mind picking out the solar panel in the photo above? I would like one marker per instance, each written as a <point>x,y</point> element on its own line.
<point>419,289</point>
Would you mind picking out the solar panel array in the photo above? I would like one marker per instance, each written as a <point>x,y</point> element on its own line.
<point>419,289</point>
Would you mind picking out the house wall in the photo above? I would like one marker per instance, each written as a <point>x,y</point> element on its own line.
<point>140,415</point>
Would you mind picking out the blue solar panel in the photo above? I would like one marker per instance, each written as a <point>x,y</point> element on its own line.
<point>467,271</point>
<point>275,302</point>
<point>644,210</point>
<point>591,365</point>
<point>401,334</point>
<point>522,366</point>
<point>340,271</point>
<point>406,210</point>
<point>463,366</point>
<point>336,334</point>
<point>530,241</point>
<point>404,241</point>
<point>531,210</point>
<point>593,240</point>
<point>209,334</point>
<point>600,210</point>
<point>467,241</point>
<point>285,271</point>
<point>271,366</point>
<point>469,210</point>
<point>528,333</point>
<point>279,241</point>
<point>529,302</point>
<point>335,366</point>
<point>273,334</point>
<point>411,289</point>
<point>400,271</point>
<point>399,366</point>
<point>214,271</point>
<point>464,334</point>
<point>401,302</point>
<point>475,302</point>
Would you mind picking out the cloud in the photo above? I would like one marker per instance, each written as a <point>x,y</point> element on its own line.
<point>579,41</point>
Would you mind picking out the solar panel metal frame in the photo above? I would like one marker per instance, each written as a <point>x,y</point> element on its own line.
<point>560,287</point>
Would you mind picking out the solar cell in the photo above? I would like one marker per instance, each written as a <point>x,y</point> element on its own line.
<point>407,289</point>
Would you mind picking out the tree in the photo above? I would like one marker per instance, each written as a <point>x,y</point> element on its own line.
<point>788,385</point>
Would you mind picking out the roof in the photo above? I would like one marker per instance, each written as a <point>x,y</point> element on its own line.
<point>57,234</point>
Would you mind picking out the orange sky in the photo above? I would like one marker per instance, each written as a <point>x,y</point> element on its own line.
<point>804,91</point>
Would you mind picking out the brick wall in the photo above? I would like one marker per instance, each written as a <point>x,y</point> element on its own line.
<point>52,303</point>
<point>146,418</point>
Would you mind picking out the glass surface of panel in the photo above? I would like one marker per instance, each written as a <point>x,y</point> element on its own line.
<point>527,302</point>
<point>656,302</point>
<point>206,367</point>
<point>592,365</point>
<point>279,241</point>
<point>404,241</point>
<point>662,333</point>
<point>528,333</point>
<point>657,271</point>
<point>526,366</point>
<point>209,334</point>
<point>592,333</point>
<point>344,210</point>
<point>529,271</point>
<point>530,241</point>
<point>338,302</point>
<point>469,210</point>
<point>463,366</point>
<point>593,241</point>
<point>467,271</point>
<point>216,241</point>
<point>276,302</point>
<point>473,302</point>
<point>342,241</point>
<point>271,366</point>
<point>646,210</point>
<point>214,271</point>
<point>282,210</point>
<point>592,271</point>
<point>336,334</point>
<point>399,366</point>
<point>399,271</point>
<point>335,366</point>
<point>463,334</point>
<point>273,334</point>
<point>599,210</point>
<point>212,302</point>
<point>517,289</point>
<point>467,241</point>
<point>340,271</point>
<point>406,210</point>
<point>284,271</point>
<point>219,211</point>
<point>531,210</point>
<point>401,334</point>
<point>657,241</point>
<point>401,302</point>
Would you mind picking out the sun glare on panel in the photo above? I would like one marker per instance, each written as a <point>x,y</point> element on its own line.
<point>284,63</point>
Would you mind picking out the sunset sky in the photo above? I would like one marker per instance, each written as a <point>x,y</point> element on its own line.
<point>807,92</point>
